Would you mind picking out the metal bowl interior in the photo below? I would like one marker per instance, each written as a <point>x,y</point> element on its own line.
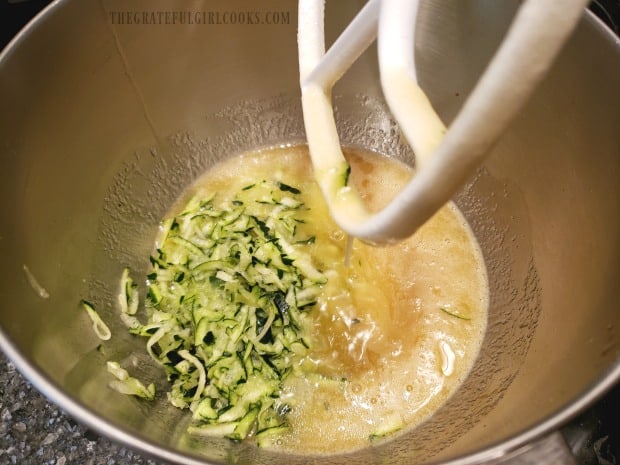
<point>101,134</point>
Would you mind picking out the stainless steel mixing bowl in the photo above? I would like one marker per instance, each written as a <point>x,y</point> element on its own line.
<point>109,113</point>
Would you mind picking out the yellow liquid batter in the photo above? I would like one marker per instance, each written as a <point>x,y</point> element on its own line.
<point>398,329</point>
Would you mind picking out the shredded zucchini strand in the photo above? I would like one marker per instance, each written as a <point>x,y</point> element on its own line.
<point>229,289</point>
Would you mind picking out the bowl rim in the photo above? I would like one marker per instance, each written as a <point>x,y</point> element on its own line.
<point>74,408</point>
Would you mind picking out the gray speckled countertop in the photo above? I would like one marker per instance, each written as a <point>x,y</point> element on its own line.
<point>34,431</point>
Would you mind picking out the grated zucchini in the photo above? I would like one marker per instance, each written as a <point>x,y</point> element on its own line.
<point>227,300</point>
<point>99,327</point>
<point>126,384</point>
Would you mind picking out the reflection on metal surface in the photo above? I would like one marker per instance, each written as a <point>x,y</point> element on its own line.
<point>562,283</point>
